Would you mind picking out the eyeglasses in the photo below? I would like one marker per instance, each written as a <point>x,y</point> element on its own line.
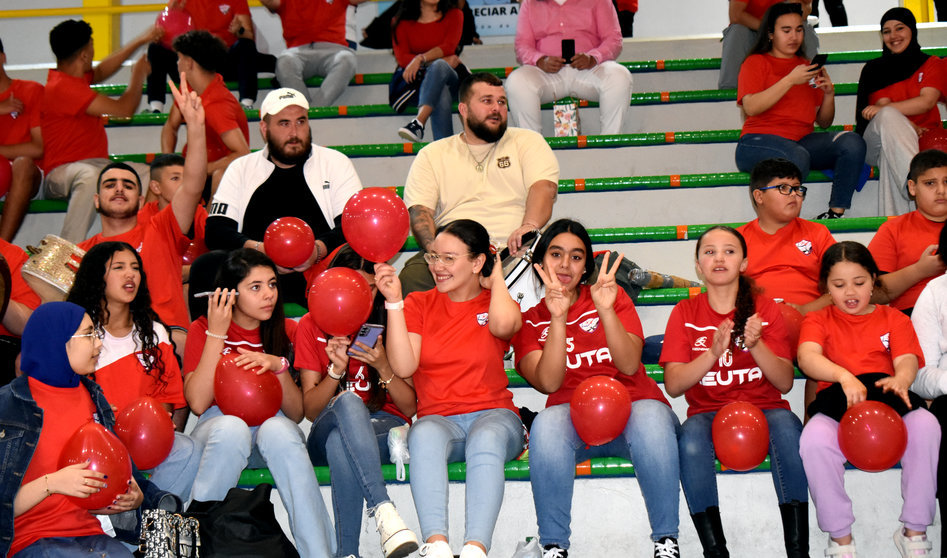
<point>787,189</point>
<point>447,259</point>
<point>97,334</point>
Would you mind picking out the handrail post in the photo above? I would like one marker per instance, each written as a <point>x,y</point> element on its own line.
<point>106,28</point>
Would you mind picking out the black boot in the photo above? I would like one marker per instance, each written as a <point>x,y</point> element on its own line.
<point>710,533</point>
<point>796,528</point>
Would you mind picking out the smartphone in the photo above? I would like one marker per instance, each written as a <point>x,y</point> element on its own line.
<point>819,61</point>
<point>367,334</point>
<point>568,50</point>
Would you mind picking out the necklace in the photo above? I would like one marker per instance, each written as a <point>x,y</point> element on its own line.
<point>479,165</point>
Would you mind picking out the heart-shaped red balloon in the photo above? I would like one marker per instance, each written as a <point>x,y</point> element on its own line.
<point>145,428</point>
<point>93,442</point>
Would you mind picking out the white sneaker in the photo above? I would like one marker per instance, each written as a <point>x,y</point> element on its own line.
<point>836,550</point>
<point>912,547</point>
<point>436,549</point>
<point>397,541</point>
<point>472,551</point>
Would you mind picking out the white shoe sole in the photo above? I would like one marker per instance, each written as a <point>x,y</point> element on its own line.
<point>400,544</point>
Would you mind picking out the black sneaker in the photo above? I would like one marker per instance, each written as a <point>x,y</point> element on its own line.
<point>412,131</point>
<point>829,214</point>
<point>666,547</point>
<point>553,551</point>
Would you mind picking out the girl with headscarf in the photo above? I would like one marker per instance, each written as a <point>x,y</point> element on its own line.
<point>39,412</point>
<point>897,103</point>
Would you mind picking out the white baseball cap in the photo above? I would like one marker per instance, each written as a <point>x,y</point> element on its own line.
<point>278,99</point>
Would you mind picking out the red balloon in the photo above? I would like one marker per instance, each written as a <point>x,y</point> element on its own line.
<point>288,241</point>
<point>340,301</point>
<point>245,394</point>
<point>375,223</point>
<point>93,442</point>
<point>933,139</point>
<point>145,428</point>
<point>600,409</point>
<point>872,436</point>
<point>741,436</point>
<point>6,175</point>
<point>793,319</point>
<point>194,249</point>
<point>175,22</point>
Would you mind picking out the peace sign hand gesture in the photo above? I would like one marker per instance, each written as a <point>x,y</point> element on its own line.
<point>557,299</point>
<point>605,290</point>
<point>188,101</point>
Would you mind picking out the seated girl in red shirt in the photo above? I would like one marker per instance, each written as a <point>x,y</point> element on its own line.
<point>353,399</point>
<point>137,358</point>
<point>450,341</point>
<point>729,345</point>
<point>897,101</point>
<point>782,94</point>
<point>857,351</point>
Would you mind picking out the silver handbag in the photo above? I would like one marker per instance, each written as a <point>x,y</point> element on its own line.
<point>169,535</point>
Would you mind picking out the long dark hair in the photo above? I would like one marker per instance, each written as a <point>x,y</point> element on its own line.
<point>566,226</point>
<point>744,305</point>
<point>410,10</point>
<point>475,237</point>
<point>347,257</point>
<point>235,269</point>
<point>88,291</point>
<point>848,251</point>
<point>764,43</point>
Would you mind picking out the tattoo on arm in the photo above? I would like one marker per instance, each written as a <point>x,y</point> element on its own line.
<point>422,225</point>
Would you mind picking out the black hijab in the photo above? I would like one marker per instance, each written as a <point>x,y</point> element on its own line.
<point>891,68</point>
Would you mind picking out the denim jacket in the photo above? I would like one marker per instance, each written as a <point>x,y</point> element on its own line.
<point>21,420</point>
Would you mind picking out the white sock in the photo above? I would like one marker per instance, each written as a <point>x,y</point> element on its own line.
<point>157,105</point>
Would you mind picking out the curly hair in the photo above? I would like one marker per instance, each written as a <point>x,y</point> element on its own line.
<point>88,291</point>
<point>744,305</point>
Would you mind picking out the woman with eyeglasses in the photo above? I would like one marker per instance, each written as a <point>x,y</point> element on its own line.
<point>450,342</point>
<point>782,94</point>
<point>137,357</point>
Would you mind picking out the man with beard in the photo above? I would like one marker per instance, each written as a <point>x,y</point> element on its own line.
<point>505,179</point>
<point>290,177</point>
<point>157,236</point>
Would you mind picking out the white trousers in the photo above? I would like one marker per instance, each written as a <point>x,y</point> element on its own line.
<point>892,143</point>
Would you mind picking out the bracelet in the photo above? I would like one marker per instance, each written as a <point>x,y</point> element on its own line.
<point>215,336</point>
<point>384,383</point>
<point>284,362</point>
<point>48,493</point>
<point>394,305</point>
<point>258,246</point>
<point>329,372</point>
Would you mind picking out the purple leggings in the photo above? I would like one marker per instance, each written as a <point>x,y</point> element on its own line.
<point>825,470</point>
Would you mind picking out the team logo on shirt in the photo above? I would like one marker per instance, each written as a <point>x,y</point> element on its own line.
<point>483,318</point>
<point>701,342</point>
<point>544,334</point>
<point>885,341</point>
<point>589,325</point>
<point>503,162</point>
<point>805,246</point>
<point>224,8</point>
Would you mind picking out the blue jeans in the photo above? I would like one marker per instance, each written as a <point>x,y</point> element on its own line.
<point>841,152</point>
<point>176,473</point>
<point>94,546</point>
<point>697,459</point>
<point>649,441</point>
<point>438,90</point>
<point>354,444</point>
<point>228,443</point>
<point>486,440</point>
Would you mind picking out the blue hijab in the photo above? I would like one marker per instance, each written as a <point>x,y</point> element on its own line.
<point>43,351</point>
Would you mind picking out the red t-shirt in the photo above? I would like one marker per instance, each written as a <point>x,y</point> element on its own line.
<point>159,242</point>
<point>215,16</point>
<point>20,291</point>
<point>757,8</point>
<point>311,355</point>
<point>792,117</point>
<point>237,336</point>
<point>928,75</point>
<point>899,242</point>
<point>587,352</point>
<point>222,113</point>
<point>69,134</point>
<point>786,264</point>
<point>151,209</point>
<point>297,17</point>
<point>862,344</point>
<point>413,38</point>
<point>461,365</point>
<point>15,127</point>
<point>65,410</point>
<point>123,378</point>
<point>735,377</point>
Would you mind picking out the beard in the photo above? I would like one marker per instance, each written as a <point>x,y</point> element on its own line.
<point>287,153</point>
<point>118,214</point>
<point>480,129</point>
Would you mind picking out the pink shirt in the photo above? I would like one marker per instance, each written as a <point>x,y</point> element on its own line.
<point>593,24</point>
